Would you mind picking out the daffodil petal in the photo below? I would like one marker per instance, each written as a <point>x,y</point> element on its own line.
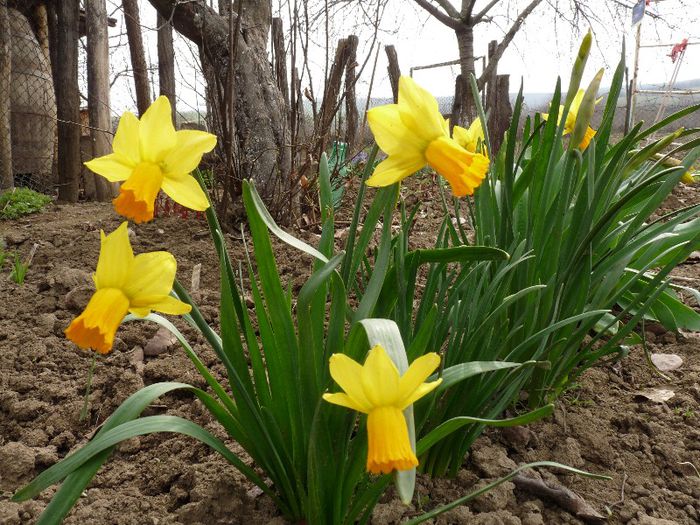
<point>418,372</point>
<point>116,258</point>
<point>419,110</point>
<point>137,196</point>
<point>380,378</point>
<point>166,304</point>
<point>188,151</point>
<point>344,400</point>
<point>461,136</point>
<point>388,445</point>
<point>186,191</point>
<point>391,134</point>
<point>419,392</point>
<point>590,133</point>
<point>462,169</point>
<point>96,325</point>
<point>346,373</point>
<point>156,131</point>
<point>394,169</point>
<point>126,139</point>
<point>576,102</point>
<point>113,167</point>
<point>152,274</point>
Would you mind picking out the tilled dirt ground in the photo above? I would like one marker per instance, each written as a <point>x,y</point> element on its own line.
<point>652,450</point>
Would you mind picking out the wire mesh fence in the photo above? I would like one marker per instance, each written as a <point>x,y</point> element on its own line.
<point>32,103</point>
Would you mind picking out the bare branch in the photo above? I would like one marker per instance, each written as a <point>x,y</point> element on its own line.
<point>441,16</point>
<point>449,8</point>
<point>481,14</point>
<point>507,38</point>
<point>467,9</point>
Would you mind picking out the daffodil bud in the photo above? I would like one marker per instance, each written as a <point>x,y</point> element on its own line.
<point>579,67</point>
<point>583,133</point>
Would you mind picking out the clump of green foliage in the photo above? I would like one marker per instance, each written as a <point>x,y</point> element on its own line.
<point>19,270</point>
<point>3,253</point>
<point>19,202</point>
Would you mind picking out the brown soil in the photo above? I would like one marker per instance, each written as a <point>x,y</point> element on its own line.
<point>601,425</point>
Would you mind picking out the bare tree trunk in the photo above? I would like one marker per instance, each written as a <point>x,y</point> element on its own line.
<point>490,85</point>
<point>458,112</point>
<point>261,134</point>
<point>501,113</point>
<point>98,89</point>
<point>280,59</point>
<point>41,25</point>
<point>52,19</point>
<point>350,98</point>
<point>68,102</point>
<point>138,57</point>
<point>394,70</point>
<point>6,177</point>
<point>465,43</point>
<point>166,62</point>
<point>330,98</point>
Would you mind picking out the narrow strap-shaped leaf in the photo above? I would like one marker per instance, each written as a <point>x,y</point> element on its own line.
<point>130,429</point>
<point>456,373</point>
<point>668,120</point>
<point>459,254</point>
<point>199,365</point>
<point>196,319</point>
<point>451,425</point>
<point>312,350</point>
<point>381,263</point>
<point>256,201</point>
<point>550,464</point>
<point>347,267</point>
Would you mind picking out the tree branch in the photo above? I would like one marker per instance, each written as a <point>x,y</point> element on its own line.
<point>442,17</point>
<point>467,8</point>
<point>507,39</point>
<point>481,14</point>
<point>190,17</point>
<point>449,8</point>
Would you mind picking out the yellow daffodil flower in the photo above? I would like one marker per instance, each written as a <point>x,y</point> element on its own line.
<point>376,389</point>
<point>124,283</point>
<point>149,155</point>
<point>470,138</point>
<point>571,119</point>
<point>413,133</point>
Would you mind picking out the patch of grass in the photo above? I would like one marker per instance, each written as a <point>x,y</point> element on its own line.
<point>19,202</point>
<point>19,270</point>
<point>3,253</point>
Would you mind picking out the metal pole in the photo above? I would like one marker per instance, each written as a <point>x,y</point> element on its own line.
<point>635,75</point>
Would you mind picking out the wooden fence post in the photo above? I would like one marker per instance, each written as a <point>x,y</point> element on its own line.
<point>138,57</point>
<point>497,102</point>
<point>68,102</point>
<point>350,98</point>
<point>6,176</point>
<point>394,70</point>
<point>98,90</point>
<point>166,63</point>
<point>330,99</point>
<point>501,113</point>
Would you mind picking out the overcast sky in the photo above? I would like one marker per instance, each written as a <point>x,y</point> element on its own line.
<point>543,49</point>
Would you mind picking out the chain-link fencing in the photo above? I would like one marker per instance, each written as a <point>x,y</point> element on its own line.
<point>32,102</point>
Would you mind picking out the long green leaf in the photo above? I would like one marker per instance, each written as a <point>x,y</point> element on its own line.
<point>451,425</point>
<point>130,429</point>
<point>550,464</point>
